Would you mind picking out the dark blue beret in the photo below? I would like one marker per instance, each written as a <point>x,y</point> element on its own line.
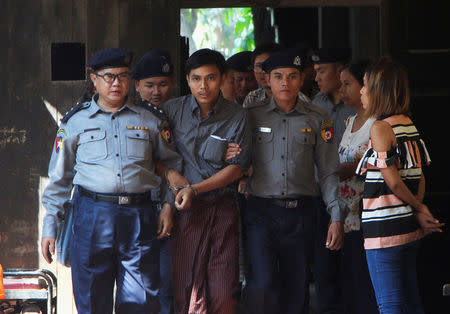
<point>241,62</point>
<point>110,58</point>
<point>286,58</point>
<point>330,55</point>
<point>156,62</point>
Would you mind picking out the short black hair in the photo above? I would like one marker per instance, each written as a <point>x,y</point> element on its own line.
<point>265,48</point>
<point>357,69</point>
<point>205,57</point>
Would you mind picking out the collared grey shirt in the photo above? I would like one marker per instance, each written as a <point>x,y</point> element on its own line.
<point>338,113</point>
<point>203,142</point>
<point>106,152</point>
<point>286,147</point>
<point>259,95</point>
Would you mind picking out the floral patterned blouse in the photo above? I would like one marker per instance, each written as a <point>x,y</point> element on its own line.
<point>351,149</point>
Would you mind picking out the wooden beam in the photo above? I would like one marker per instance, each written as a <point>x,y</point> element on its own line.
<point>275,3</point>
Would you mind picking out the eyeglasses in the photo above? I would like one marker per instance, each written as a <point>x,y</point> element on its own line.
<point>110,77</point>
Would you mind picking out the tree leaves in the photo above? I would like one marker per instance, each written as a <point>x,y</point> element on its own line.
<point>229,30</point>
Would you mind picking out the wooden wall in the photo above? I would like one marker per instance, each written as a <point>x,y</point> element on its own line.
<point>27,130</point>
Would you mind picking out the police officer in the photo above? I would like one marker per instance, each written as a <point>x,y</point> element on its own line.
<point>290,137</point>
<point>153,76</point>
<point>107,148</point>
<point>327,63</point>
<point>227,87</point>
<point>261,54</point>
<point>309,87</point>
<point>244,79</point>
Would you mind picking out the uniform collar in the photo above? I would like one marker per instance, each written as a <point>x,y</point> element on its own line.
<point>94,108</point>
<point>193,105</point>
<point>329,99</point>
<point>298,107</point>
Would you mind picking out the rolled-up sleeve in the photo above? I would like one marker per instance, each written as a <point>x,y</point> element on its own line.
<point>242,136</point>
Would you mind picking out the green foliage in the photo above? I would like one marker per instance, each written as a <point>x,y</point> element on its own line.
<point>228,30</point>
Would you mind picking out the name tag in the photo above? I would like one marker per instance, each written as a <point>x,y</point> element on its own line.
<point>264,130</point>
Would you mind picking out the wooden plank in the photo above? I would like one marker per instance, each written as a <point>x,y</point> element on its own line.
<point>328,3</point>
<point>103,25</point>
<point>275,3</point>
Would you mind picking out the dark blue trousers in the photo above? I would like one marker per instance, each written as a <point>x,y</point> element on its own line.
<point>114,244</point>
<point>326,269</point>
<point>165,294</point>
<point>357,292</point>
<point>278,246</point>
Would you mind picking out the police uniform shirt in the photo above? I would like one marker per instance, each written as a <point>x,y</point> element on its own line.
<point>203,142</point>
<point>286,147</point>
<point>259,95</point>
<point>105,152</point>
<point>338,114</point>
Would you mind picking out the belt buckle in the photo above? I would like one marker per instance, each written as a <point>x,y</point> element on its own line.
<point>124,200</point>
<point>291,204</point>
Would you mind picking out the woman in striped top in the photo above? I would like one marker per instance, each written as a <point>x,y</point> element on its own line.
<point>393,215</point>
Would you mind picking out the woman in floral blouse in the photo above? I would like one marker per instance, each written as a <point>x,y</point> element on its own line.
<point>357,291</point>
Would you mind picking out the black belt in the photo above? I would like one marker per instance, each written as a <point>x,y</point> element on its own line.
<point>285,202</point>
<point>121,199</point>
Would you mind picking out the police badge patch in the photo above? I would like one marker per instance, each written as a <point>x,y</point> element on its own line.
<point>165,68</point>
<point>166,134</point>
<point>61,132</point>
<point>59,139</point>
<point>58,143</point>
<point>327,131</point>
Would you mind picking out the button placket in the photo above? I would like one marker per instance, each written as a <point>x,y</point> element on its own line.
<point>284,124</point>
<point>117,148</point>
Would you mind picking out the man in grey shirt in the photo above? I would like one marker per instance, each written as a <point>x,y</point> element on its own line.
<point>205,238</point>
<point>290,138</point>
<point>108,149</point>
<point>327,64</point>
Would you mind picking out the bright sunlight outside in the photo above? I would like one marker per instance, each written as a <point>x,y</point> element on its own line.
<point>228,30</point>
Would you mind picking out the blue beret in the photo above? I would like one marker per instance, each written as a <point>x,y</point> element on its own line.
<point>241,62</point>
<point>330,55</point>
<point>110,58</point>
<point>156,62</point>
<point>286,58</point>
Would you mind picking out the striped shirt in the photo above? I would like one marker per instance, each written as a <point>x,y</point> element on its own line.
<point>387,220</point>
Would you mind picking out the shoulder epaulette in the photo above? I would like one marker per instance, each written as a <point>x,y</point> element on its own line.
<point>72,111</point>
<point>258,103</point>
<point>314,108</point>
<point>159,113</point>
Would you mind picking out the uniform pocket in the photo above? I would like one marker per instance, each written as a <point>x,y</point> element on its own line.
<point>138,144</point>
<point>214,152</point>
<point>303,142</point>
<point>92,146</point>
<point>262,148</point>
